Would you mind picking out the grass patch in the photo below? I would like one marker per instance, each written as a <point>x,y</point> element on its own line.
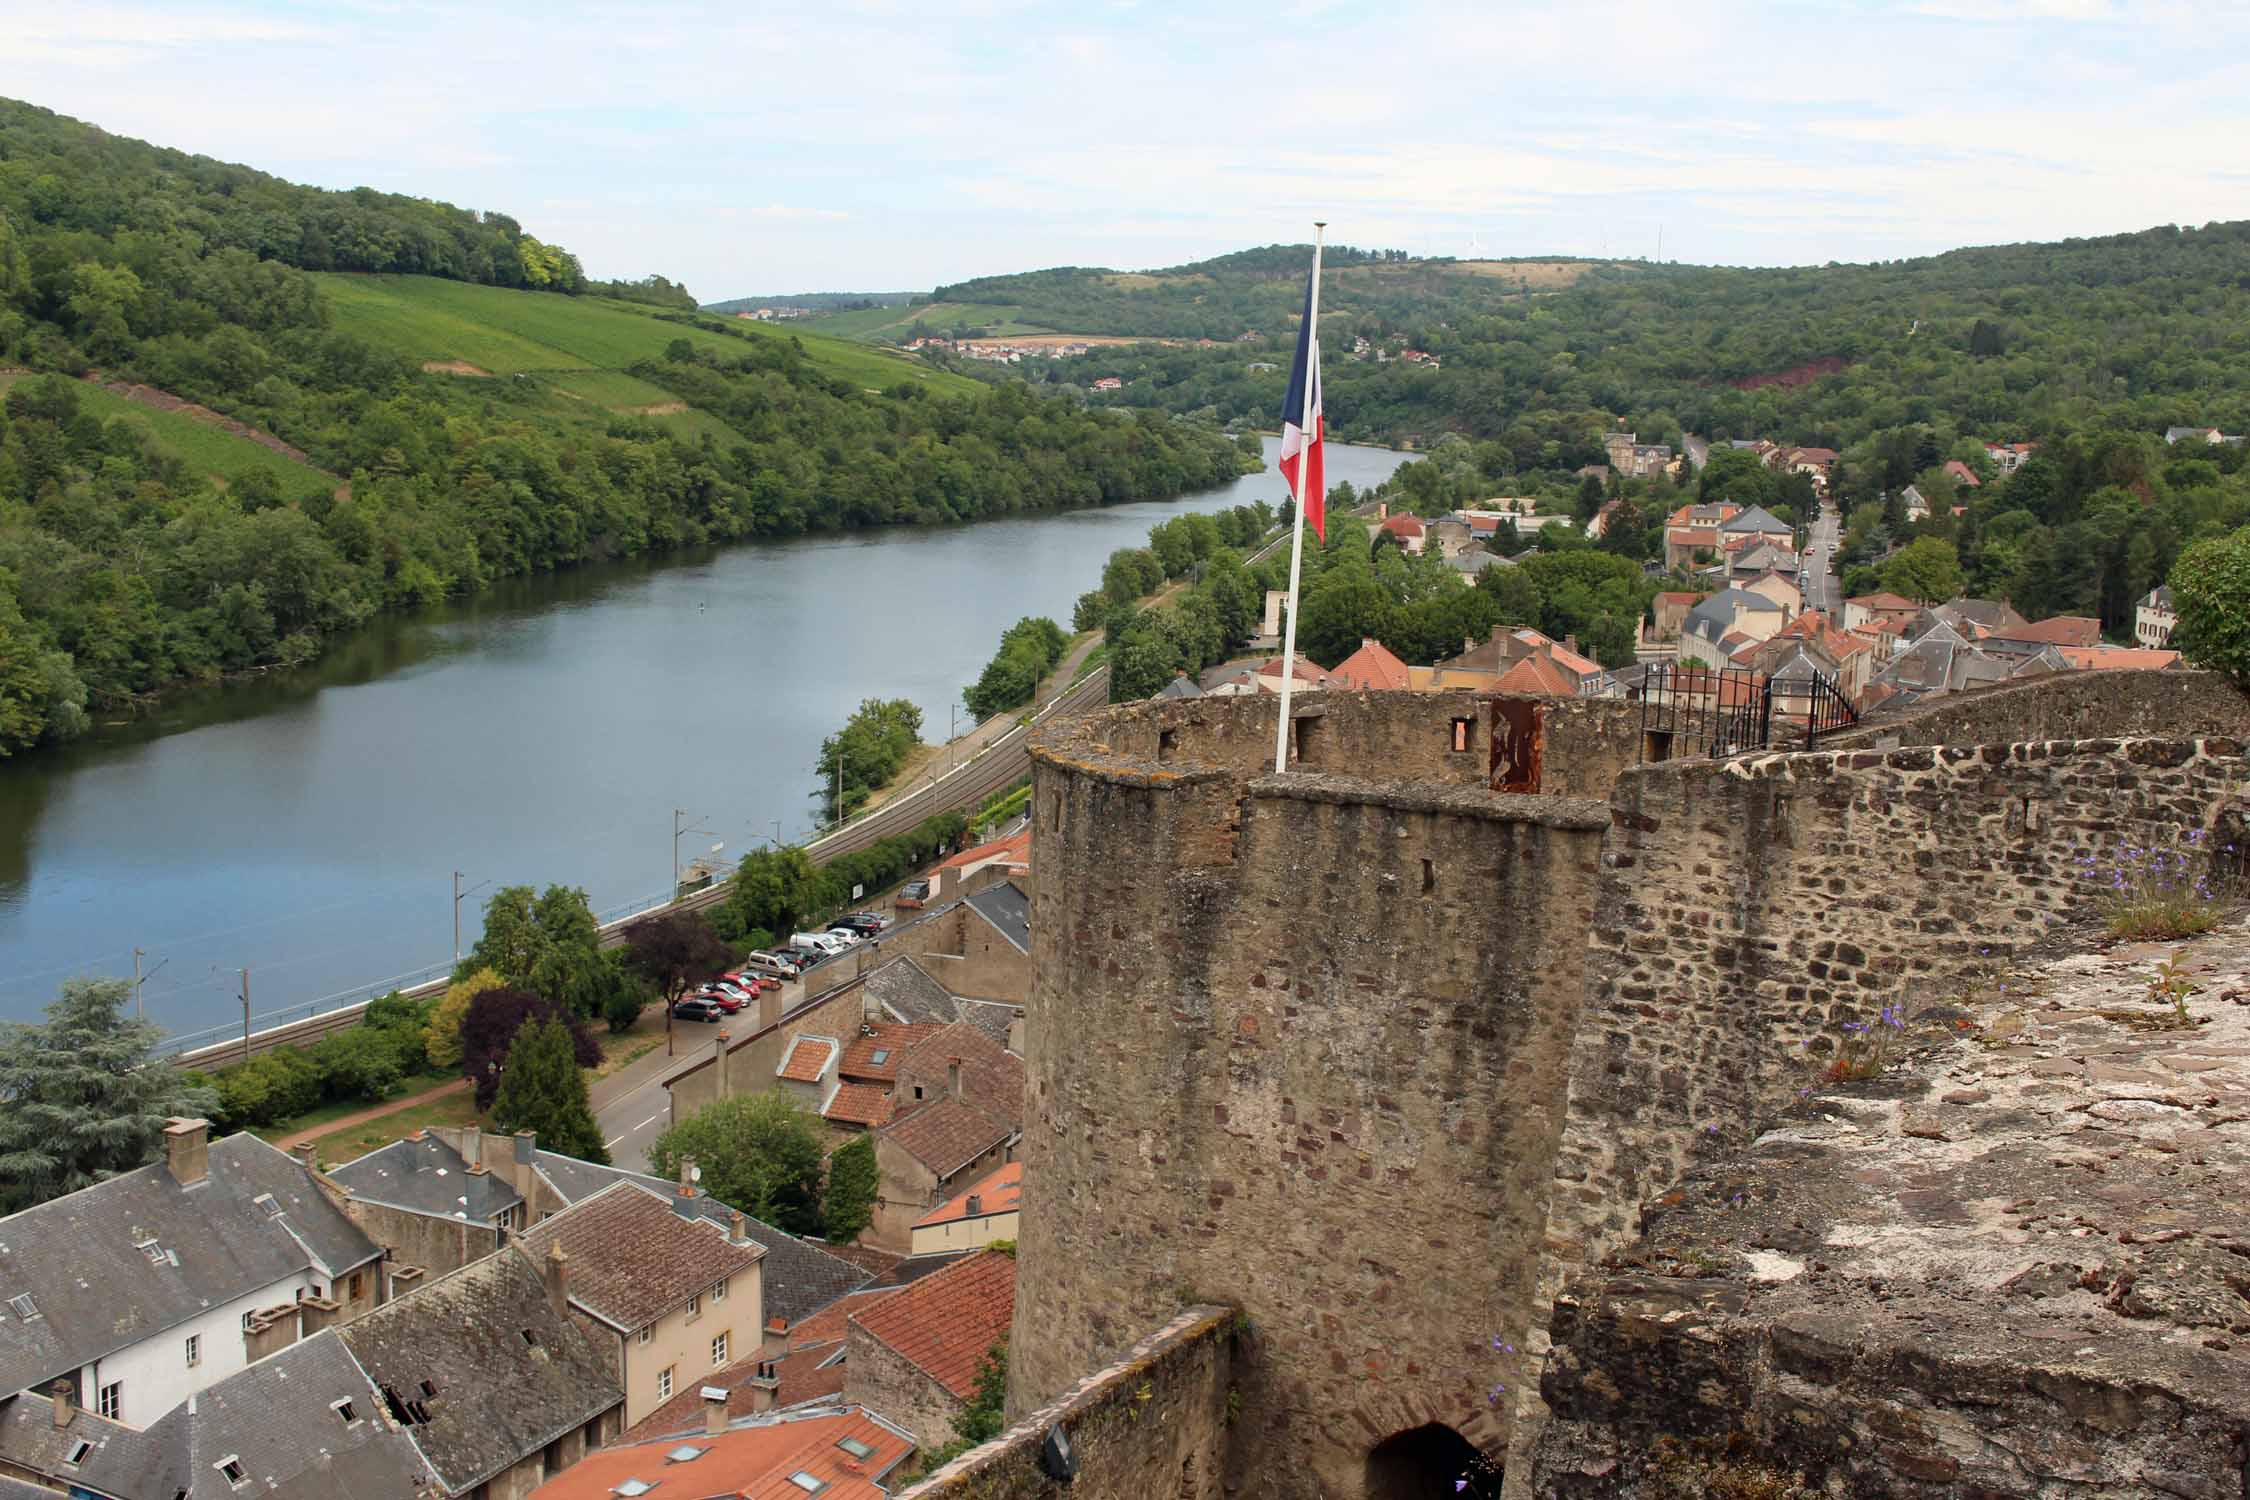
<point>2157,917</point>
<point>1095,659</point>
<point>882,325</point>
<point>204,448</point>
<point>354,1141</point>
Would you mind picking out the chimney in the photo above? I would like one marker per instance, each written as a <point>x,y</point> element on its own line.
<point>738,1229</point>
<point>764,1386</point>
<point>527,1146</point>
<point>719,1061</point>
<point>556,1273</point>
<point>65,1403</point>
<point>187,1150</point>
<point>976,1205</point>
<point>683,1197</point>
<point>953,1076</point>
<point>714,1410</point>
<point>307,1156</point>
<point>769,1007</point>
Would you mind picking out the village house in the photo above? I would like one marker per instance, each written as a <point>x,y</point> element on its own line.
<point>2057,630</point>
<point>2009,457</point>
<point>1264,678</point>
<point>1812,643</point>
<point>2210,435</point>
<point>1961,474</point>
<point>1726,623</point>
<point>1693,530</point>
<point>915,1357</point>
<point>1814,463</point>
<point>957,1112</point>
<point>142,1290</point>
<point>1405,530</point>
<point>2119,659</point>
<point>804,1363</point>
<point>985,1212</point>
<point>837,1452</point>
<point>1668,612</point>
<point>1868,608</point>
<point>2154,617</point>
<point>664,1293</point>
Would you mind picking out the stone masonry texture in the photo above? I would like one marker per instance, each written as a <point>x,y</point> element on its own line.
<point>1296,1044</point>
<point>2013,1265</point>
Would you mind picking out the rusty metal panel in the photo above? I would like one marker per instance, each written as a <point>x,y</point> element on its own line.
<point>1518,735</point>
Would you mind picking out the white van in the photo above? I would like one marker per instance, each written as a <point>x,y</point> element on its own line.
<point>822,944</point>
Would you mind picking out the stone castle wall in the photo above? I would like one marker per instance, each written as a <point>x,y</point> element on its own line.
<point>1295,1043</point>
<point>2071,706</point>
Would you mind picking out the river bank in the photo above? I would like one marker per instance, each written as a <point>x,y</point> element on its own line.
<point>306,826</point>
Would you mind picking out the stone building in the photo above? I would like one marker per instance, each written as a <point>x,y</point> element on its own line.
<point>1386,1051</point>
<point>915,1356</point>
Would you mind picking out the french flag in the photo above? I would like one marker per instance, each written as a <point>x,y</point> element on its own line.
<point>1300,420</point>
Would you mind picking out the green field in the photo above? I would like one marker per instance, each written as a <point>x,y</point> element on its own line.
<point>204,448</point>
<point>504,332</point>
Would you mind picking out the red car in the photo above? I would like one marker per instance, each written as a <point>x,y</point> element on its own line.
<point>726,1002</point>
<point>753,981</point>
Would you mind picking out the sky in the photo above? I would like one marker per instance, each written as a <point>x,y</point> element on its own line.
<point>867,145</point>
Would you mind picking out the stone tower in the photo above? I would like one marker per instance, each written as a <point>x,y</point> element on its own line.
<point>1299,1043</point>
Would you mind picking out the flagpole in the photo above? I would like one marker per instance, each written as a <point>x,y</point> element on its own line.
<point>1297,527</point>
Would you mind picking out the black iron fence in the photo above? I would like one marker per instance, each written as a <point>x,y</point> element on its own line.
<point>1705,711</point>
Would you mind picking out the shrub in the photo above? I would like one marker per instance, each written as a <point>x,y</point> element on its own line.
<point>361,1063</point>
<point>441,1034</point>
<point>2154,893</point>
<point>759,1153</point>
<point>267,1089</point>
<point>2211,589</point>
<point>849,1204</point>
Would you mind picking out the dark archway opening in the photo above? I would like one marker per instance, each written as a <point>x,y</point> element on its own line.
<point>1430,1461</point>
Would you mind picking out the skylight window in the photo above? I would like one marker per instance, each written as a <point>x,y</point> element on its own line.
<point>531,1338</point>
<point>230,1469</point>
<point>79,1450</point>
<point>346,1410</point>
<point>686,1453</point>
<point>269,1203</point>
<point>807,1482</point>
<point>154,1252</point>
<point>882,1056</point>
<point>633,1487</point>
<point>24,1306</point>
<point>856,1448</point>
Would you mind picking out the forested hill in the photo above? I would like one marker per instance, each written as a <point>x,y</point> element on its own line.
<point>2004,343</point>
<point>216,455</point>
<point>1263,291</point>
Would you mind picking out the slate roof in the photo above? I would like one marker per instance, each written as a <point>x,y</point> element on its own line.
<point>633,1257</point>
<point>906,992</point>
<point>995,1018</point>
<point>945,1324</point>
<point>96,1289</point>
<point>1477,560</point>
<point>123,1461</point>
<point>424,1175</point>
<point>1756,518</point>
<point>754,1459</point>
<point>495,1396</point>
<point>1008,909</point>
<point>945,1134</point>
<point>279,1419</point>
<point>2160,597</point>
<point>1715,616</point>
<point>1181,686</point>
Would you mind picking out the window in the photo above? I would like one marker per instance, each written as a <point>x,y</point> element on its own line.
<point>194,1350</point>
<point>358,1284</point>
<point>24,1306</point>
<point>808,1483</point>
<point>917,1091</point>
<point>1461,729</point>
<point>268,1202</point>
<point>719,1292</point>
<point>882,1056</point>
<point>78,1451</point>
<point>111,1401</point>
<point>694,1308</point>
<point>645,1334</point>
<point>230,1469</point>
<point>428,1390</point>
<point>153,1251</point>
<point>531,1338</point>
<point>345,1410</point>
<point>249,1321</point>
<point>718,1351</point>
<point>664,1384</point>
<point>856,1448</point>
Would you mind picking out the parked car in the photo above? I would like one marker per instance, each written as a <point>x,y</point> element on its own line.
<point>751,980</point>
<point>865,923</point>
<point>784,965</point>
<point>724,986</point>
<point>912,895</point>
<point>730,1003</point>
<point>849,938</point>
<point>819,945</point>
<point>696,1008</point>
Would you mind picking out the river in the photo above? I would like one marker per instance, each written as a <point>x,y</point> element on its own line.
<point>307,825</point>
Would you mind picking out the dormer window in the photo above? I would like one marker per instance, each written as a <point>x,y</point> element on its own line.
<point>78,1451</point>
<point>269,1203</point>
<point>345,1410</point>
<point>231,1470</point>
<point>24,1306</point>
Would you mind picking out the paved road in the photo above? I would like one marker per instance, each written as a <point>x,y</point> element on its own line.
<point>1821,590</point>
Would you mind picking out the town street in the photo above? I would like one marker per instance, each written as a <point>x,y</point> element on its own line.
<point>1821,590</point>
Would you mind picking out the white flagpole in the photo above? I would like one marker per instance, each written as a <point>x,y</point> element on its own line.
<point>1297,529</point>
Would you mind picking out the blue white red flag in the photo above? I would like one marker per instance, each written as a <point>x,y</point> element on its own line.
<point>1300,423</point>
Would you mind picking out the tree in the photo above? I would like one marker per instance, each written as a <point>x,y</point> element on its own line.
<point>759,1153</point>
<point>849,1204</point>
<point>773,889</point>
<point>1926,570</point>
<point>2211,590</point>
<point>985,1414</point>
<point>85,1097</point>
<point>542,1089</point>
<point>548,944</point>
<point>675,952</point>
<point>490,1030</point>
<point>441,1034</point>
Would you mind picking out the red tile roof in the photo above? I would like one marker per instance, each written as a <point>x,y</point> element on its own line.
<point>1883,602</point>
<point>807,1059</point>
<point>1307,670</point>
<point>893,1040</point>
<point>1537,674</point>
<point>753,1461</point>
<point>945,1134</point>
<point>1673,596</point>
<point>867,1104</point>
<point>1373,665</point>
<point>827,1326</point>
<point>992,1077</point>
<point>1000,1193</point>
<point>2058,630</point>
<point>1571,661</point>
<point>1015,849</point>
<point>947,1322</point>
<point>2118,658</point>
<point>1403,526</point>
<point>632,1259</point>
<point>1963,474</point>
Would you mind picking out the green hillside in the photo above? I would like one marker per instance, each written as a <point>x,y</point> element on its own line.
<point>140,547</point>
<point>502,332</point>
<point>204,448</point>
